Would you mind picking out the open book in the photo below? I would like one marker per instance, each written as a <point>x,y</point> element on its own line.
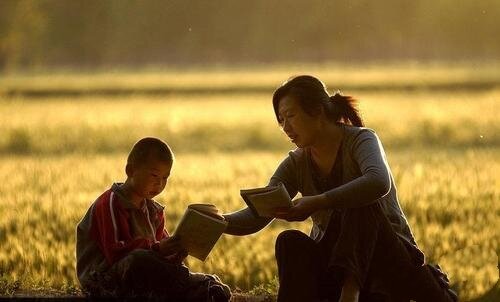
<point>264,201</point>
<point>199,229</point>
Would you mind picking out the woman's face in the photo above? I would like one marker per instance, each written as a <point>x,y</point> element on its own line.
<point>300,127</point>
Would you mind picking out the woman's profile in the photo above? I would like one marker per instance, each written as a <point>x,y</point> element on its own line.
<point>361,247</point>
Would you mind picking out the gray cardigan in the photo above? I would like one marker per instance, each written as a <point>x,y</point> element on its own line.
<point>366,179</point>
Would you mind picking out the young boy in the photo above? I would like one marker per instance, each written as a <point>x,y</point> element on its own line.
<point>122,247</point>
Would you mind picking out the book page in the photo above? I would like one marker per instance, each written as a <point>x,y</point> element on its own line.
<point>199,233</point>
<point>266,202</point>
<point>207,209</point>
<point>256,190</point>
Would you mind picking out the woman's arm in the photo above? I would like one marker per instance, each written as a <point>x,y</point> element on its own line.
<point>375,179</point>
<point>244,222</point>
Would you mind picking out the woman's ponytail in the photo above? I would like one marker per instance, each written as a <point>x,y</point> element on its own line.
<point>313,97</point>
<point>343,108</point>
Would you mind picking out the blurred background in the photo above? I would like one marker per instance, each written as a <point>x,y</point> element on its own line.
<point>81,81</point>
<point>103,34</point>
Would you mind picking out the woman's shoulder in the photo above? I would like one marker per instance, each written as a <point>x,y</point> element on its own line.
<point>354,134</point>
<point>296,155</point>
<point>355,130</point>
<point>294,158</point>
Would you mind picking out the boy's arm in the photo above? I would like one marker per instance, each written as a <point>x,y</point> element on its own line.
<point>111,232</point>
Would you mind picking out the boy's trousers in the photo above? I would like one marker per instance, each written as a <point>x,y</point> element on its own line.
<point>146,274</point>
<point>360,242</point>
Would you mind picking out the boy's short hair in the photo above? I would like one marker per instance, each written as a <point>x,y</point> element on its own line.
<point>150,148</point>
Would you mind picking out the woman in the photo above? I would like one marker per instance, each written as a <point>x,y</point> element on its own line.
<point>360,246</point>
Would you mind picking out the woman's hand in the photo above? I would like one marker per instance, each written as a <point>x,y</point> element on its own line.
<point>302,208</point>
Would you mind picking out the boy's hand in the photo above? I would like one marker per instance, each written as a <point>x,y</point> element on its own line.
<point>177,258</point>
<point>170,246</point>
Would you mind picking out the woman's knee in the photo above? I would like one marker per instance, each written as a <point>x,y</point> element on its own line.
<point>290,236</point>
<point>292,239</point>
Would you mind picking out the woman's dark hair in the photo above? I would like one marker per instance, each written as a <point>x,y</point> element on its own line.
<point>312,95</point>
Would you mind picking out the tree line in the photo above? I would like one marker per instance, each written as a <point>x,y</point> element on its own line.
<point>134,33</point>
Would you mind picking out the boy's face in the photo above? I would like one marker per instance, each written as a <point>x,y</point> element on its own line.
<point>150,178</point>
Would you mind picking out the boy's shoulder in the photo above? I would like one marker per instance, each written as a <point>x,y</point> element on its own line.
<point>98,204</point>
<point>105,196</point>
<point>102,201</point>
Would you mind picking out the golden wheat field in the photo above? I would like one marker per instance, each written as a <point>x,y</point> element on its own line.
<point>58,154</point>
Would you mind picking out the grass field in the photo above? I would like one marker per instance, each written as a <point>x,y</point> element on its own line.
<point>58,154</point>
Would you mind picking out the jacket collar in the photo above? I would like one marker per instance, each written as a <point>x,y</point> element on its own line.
<point>124,201</point>
<point>127,204</point>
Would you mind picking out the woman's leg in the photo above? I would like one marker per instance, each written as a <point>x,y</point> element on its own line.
<point>350,289</point>
<point>368,248</point>
<point>300,265</point>
<point>360,243</point>
<point>426,287</point>
<point>352,240</point>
